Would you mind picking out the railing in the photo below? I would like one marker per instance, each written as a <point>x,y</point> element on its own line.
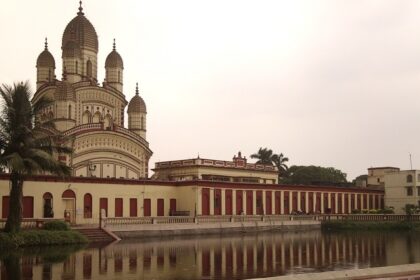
<point>131,134</point>
<point>119,222</point>
<point>84,127</point>
<point>31,223</point>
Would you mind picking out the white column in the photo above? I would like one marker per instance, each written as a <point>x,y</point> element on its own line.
<point>211,201</point>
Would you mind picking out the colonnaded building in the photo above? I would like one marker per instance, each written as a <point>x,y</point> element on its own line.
<point>110,161</point>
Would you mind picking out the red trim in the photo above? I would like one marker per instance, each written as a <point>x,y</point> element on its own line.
<point>201,183</point>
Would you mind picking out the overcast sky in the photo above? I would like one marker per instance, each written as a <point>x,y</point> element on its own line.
<point>329,83</point>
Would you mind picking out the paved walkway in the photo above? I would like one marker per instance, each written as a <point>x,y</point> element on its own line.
<point>397,272</point>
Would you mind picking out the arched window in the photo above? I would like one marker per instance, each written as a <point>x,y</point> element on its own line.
<point>119,76</point>
<point>48,205</point>
<point>89,68</point>
<point>86,117</point>
<point>68,194</point>
<point>50,115</point>
<point>107,122</point>
<point>69,114</point>
<point>49,75</point>
<point>96,117</point>
<point>87,206</point>
<point>409,178</point>
<point>142,123</point>
<point>76,70</point>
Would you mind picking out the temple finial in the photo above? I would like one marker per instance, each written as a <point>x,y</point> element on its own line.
<point>46,44</point>
<point>80,9</point>
<point>114,46</point>
<point>137,88</point>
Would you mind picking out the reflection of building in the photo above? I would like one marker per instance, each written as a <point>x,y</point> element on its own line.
<point>401,188</point>
<point>376,175</point>
<point>89,115</point>
<point>237,170</point>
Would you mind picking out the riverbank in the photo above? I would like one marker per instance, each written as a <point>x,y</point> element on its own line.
<point>370,225</point>
<point>27,238</point>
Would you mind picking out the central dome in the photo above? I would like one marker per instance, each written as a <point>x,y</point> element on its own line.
<point>81,31</point>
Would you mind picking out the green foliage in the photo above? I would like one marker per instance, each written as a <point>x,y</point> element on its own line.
<point>25,148</point>
<point>56,225</point>
<point>387,225</point>
<point>266,156</point>
<point>356,211</point>
<point>40,237</point>
<point>411,209</point>
<point>386,210</point>
<point>314,174</point>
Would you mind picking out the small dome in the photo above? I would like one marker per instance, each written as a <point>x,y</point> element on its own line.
<point>45,59</point>
<point>114,59</point>
<point>136,104</point>
<point>65,91</point>
<point>80,30</point>
<point>71,49</point>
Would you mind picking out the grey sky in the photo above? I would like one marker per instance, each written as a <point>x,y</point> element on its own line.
<point>330,83</point>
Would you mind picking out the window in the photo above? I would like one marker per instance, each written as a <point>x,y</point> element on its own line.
<point>87,201</point>
<point>418,191</point>
<point>409,178</point>
<point>409,191</point>
<point>89,68</point>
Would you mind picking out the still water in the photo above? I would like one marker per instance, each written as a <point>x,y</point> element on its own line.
<point>215,257</point>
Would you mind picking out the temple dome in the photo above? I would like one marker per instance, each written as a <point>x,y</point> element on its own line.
<point>137,104</point>
<point>80,30</point>
<point>45,59</point>
<point>114,60</point>
<point>71,49</point>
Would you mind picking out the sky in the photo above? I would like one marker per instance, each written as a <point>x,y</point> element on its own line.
<point>329,83</point>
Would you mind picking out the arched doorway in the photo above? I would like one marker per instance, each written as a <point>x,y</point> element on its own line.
<point>48,205</point>
<point>87,206</point>
<point>69,200</point>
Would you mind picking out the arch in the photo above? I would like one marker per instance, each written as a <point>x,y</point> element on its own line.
<point>48,205</point>
<point>409,178</point>
<point>49,75</point>
<point>108,121</point>
<point>119,76</point>
<point>68,194</point>
<point>50,115</point>
<point>69,112</point>
<point>142,122</point>
<point>87,206</point>
<point>76,67</point>
<point>86,117</point>
<point>89,68</point>
<point>96,117</point>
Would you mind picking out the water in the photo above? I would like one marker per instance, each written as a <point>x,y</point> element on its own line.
<point>215,257</point>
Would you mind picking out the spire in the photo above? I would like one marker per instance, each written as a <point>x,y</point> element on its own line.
<point>114,46</point>
<point>46,44</point>
<point>137,88</point>
<point>80,9</point>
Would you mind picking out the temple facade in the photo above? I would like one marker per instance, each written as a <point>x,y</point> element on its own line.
<point>89,115</point>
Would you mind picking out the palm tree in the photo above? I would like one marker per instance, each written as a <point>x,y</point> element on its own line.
<point>264,156</point>
<point>280,162</point>
<point>24,148</point>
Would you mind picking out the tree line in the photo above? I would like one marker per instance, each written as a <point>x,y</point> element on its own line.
<point>299,174</point>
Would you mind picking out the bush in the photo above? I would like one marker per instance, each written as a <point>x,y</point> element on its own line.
<point>386,210</point>
<point>356,211</point>
<point>56,225</point>
<point>41,237</point>
<point>352,225</point>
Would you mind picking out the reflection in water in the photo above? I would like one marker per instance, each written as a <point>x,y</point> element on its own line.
<point>215,257</point>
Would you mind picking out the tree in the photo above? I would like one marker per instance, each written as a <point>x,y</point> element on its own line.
<point>264,156</point>
<point>280,162</point>
<point>314,174</point>
<point>25,148</point>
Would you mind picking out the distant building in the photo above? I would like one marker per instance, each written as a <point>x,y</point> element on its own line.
<point>237,170</point>
<point>401,188</point>
<point>376,175</point>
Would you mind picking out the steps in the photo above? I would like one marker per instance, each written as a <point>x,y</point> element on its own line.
<point>95,234</point>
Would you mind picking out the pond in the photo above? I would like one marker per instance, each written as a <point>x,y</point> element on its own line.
<point>215,257</point>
